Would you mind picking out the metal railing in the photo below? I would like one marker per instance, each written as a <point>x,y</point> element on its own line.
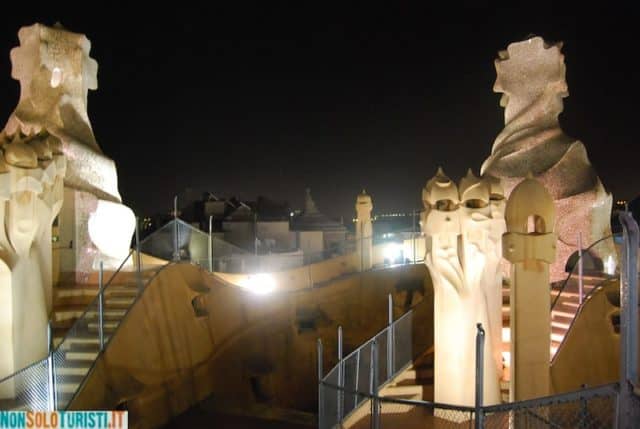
<point>51,383</point>
<point>177,240</point>
<point>577,269</point>
<point>592,408</point>
<point>615,405</point>
<point>365,370</point>
<point>340,398</point>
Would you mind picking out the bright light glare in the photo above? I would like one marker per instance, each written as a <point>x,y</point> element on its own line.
<point>260,284</point>
<point>393,252</point>
<point>610,266</point>
<point>56,77</point>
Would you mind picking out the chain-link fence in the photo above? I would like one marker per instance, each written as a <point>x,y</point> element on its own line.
<point>594,408</point>
<point>29,388</point>
<point>588,408</point>
<point>51,384</point>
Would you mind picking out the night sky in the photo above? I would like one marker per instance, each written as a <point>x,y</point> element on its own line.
<point>267,100</point>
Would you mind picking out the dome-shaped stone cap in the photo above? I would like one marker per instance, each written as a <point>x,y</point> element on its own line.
<point>474,188</point>
<point>496,191</point>
<point>440,188</point>
<point>363,198</point>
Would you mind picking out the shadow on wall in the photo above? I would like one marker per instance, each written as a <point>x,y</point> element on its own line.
<point>191,337</point>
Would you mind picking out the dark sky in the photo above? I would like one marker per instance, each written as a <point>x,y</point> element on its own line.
<point>265,99</point>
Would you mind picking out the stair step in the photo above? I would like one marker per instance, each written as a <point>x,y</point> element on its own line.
<point>560,324</point>
<point>395,391</point>
<point>73,368</point>
<point>110,325</point>
<point>557,337</point>
<point>81,339</point>
<point>409,374</point>
<point>70,388</point>
<point>108,312</point>
<point>562,313</point>
<point>119,300</point>
<point>81,355</point>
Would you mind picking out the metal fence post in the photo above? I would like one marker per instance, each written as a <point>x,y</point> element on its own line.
<point>51,384</point>
<point>51,394</point>
<point>320,387</point>
<point>340,395</point>
<point>100,307</point>
<point>176,244</point>
<point>138,257</point>
<point>580,284</point>
<point>357,381</point>
<point>49,337</point>
<point>373,386</point>
<point>210,244</point>
<point>628,318</point>
<point>583,419</point>
<point>390,339</point>
<point>479,376</point>
<point>414,235</point>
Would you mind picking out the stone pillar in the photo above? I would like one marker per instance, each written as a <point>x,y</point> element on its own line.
<point>530,246</point>
<point>463,260</point>
<point>31,178</point>
<point>364,231</point>
<point>48,154</point>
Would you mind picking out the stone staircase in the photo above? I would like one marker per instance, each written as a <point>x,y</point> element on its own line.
<point>415,382</point>
<point>562,316</point>
<point>75,325</point>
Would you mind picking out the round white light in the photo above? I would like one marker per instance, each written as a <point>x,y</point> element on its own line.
<point>393,252</point>
<point>56,77</point>
<point>260,284</point>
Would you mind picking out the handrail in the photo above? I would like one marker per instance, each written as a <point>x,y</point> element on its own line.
<point>82,316</point>
<point>93,364</point>
<point>583,252</point>
<point>93,302</point>
<point>66,335</point>
<point>578,311</point>
<point>587,393</point>
<point>56,357</point>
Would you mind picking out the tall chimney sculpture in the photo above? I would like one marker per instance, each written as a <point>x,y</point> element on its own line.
<point>462,260</point>
<point>530,246</point>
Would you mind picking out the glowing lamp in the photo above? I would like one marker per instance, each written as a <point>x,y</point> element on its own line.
<point>393,252</point>
<point>260,284</point>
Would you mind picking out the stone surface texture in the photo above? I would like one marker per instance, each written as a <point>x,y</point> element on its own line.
<point>364,230</point>
<point>47,148</point>
<point>531,77</point>
<point>530,246</point>
<point>463,226</point>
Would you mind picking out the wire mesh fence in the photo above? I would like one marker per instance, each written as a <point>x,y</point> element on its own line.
<point>363,372</point>
<point>584,409</point>
<point>179,241</point>
<point>28,389</point>
<point>587,408</point>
